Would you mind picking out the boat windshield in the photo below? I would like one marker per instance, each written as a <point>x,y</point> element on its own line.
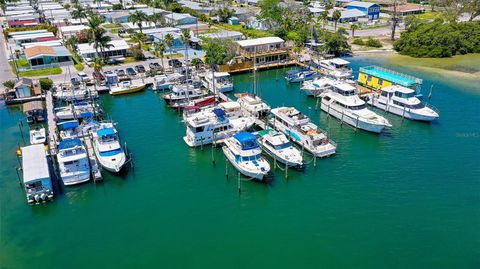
<point>359,107</point>
<point>405,95</point>
<point>416,106</point>
<point>282,146</point>
<point>251,158</point>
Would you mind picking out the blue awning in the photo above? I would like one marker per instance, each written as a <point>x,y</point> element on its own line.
<point>87,114</point>
<point>69,143</point>
<point>247,140</point>
<point>219,112</point>
<point>68,124</point>
<point>106,131</point>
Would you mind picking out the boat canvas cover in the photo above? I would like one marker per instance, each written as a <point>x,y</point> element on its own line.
<point>69,143</point>
<point>106,132</point>
<point>34,164</point>
<point>247,140</point>
<point>219,113</point>
<point>68,125</point>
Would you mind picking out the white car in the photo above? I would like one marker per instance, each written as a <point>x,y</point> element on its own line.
<point>83,77</point>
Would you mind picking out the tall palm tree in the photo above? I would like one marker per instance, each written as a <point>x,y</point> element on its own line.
<point>100,41</point>
<point>79,12</point>
<point>97,65</point>
<point>336,16</point>
<point>71,42</point>
<point>324,18</point>
<point>93,23</point>
<point>160,48</point>
<point>157,19</point>
<point>138,38</point>
<point>138,17</point>
<point>168,39</point>
<point>215,54</point>
<point>353,27</point>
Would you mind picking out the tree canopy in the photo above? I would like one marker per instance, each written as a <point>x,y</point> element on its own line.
<point>438,38</point>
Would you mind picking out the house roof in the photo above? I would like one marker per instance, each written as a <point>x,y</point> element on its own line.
<point>348,13</point>
<point>360,4</point>
<point>260,41</point>
<point>406,8</point>
<point>116,45</point>
<point>24,82</point>
<point>22,22</point>
<point>38,50</point>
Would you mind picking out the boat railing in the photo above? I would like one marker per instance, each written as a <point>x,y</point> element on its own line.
<point>372,67</point>
<point>434,108</point>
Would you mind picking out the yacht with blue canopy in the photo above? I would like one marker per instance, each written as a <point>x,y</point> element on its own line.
<point>108,150</point>
<point>243,152</point>
<point>73,162</point>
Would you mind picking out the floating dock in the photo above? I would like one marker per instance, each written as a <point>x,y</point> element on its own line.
<point>94,167</point>
<point>52,125</point>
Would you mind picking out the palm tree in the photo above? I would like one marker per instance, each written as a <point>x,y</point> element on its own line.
<point>215,54</point>
<point>79,13</point>
<point>71,42</point>
<point>168,39</point>
<point>138,17</point>
<point>353,27</point>
<point>160,48</point>
<point>157,19</point>
<point>97,65</point>
<point>324,18</point>
<point>336,16</point>
<point>93,23</point>
<point>138,38</point>
<point>100,41</point>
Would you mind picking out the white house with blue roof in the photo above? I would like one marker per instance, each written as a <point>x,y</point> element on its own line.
<point>371,10</point>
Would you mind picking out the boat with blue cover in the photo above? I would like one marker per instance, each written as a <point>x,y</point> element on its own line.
<point>73,162</point>
<point>243,152</point>
<point>300,75</point>
<point>108,150</point>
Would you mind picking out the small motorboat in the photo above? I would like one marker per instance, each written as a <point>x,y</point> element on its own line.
<point>38,136</point>
<point>277,145</point>
<point>300,75</point>
<point>127,87</point>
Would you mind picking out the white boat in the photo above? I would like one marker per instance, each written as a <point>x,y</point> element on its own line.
<point>302,131</point>
<point>337,68</point>
<point>316,86</point>
<point>182,93</point>
<point>343,103</point>
<point>300,75</point>
<point>78,110</point>
<point>126,87</point>
<point>402,101</point>
<point>243,152</point>
<point>38,136</point>
<point>253,104</point>
<point>207,127</point>
<point>162,83</point>
<point>232,109</point>
<point>108,150</point>
<point>71,93</point>
<point>73,162</point>
<point>277,145</point>
<point>36,175</point>
<point>223,82</point>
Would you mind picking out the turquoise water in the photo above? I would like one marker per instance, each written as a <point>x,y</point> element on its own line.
<point>408,198</point>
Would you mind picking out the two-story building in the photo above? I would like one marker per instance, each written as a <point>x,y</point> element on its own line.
<point>371,10</point>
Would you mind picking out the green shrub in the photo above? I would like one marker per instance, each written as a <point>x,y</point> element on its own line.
<point>46,84</point>
<point>371,42</point>
<point>358,41</point>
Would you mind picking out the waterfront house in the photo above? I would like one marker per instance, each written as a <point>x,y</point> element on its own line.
<point>371,10</point>
<point>405,10</point>
<point>118,49</point>
<point>25,88</point>
<point>224,34</point>
<point>46,56</point>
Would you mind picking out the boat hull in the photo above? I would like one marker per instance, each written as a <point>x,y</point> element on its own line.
<point>127,91</point>
<point>255,175</point>
<point>345,117</point>
<point>407,113</point>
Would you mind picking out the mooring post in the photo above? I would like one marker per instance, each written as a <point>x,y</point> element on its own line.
<point>18,176</point>
<point>239,184</point>
<point>226,168</point>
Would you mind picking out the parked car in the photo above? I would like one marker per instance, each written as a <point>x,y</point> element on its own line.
<point>131,71</point>
<point>112,61</point>
<point>83,77</point>
<point>120,72</point>
<point>174,63</point>
<point>75,80</point>
<point>155,66</point>
<point>140,69</point>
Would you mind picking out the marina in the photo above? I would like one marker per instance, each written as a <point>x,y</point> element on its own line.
<point>316,184</point>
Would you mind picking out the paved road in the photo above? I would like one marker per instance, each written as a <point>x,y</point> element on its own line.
<point>5,70</point>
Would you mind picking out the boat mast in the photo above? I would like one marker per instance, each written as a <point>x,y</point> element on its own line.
<point>254,71</point>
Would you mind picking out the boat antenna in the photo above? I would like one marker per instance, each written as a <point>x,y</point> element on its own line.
<point>430,94</point>
<point>254,71</point>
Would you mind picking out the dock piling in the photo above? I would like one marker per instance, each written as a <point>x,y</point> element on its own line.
<point>239,184</point>
<point>226,168</point>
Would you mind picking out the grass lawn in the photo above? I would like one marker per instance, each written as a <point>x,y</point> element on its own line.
<point>79,66</point>
<point>253,33</point>
<point>110,25</point>
<point>34,73</point>
<point>130,60</point>
<point>174,55</point>
<point>146,47</point>
<point>21,63</point>
<point>430,15</point>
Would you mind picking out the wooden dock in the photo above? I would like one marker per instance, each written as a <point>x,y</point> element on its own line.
<point>94,167</point>
<point>52,125</point>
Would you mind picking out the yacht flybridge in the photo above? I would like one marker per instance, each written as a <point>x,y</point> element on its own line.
<point>253,104</point>
<point>316,86</point>
<point>402,101</point>
<point>343,103</point>
<point>108,150</point>
<point>302,131</point>
<point>222,80</point>
<point>243,152</point>
<point>337,68</point>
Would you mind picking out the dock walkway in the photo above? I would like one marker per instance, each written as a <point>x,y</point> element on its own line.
<point>52,125</point>
<point>94,168</point>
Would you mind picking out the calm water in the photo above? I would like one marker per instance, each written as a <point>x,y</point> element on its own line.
<point>409,198</point>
